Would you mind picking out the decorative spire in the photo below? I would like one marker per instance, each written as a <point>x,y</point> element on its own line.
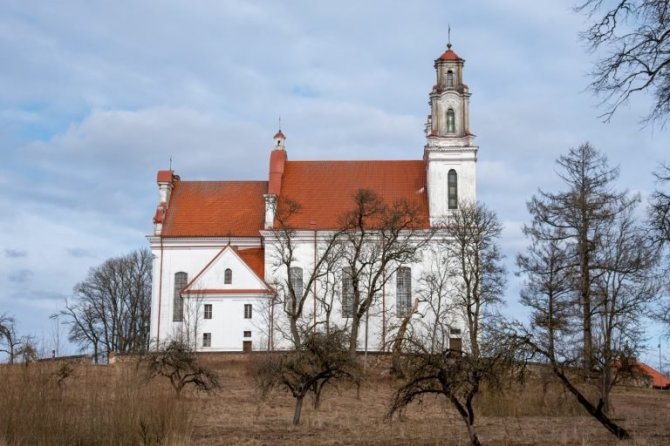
<point>448,37</point>
<point>279,138</point>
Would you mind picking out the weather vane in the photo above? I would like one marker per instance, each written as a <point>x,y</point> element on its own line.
<point>448,36</point>
<point>170,162</point>
<point>279,122</point>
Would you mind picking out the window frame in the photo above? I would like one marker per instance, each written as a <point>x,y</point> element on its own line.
<point>248,311</point>
<point>207,339</point>
<point>228,276</point>
<point>347,293</point>
<point>180,282</point>
<point>295,277</point>
<point>451,121</point>
<point>208,311</point>
<point>403,291</point>
<point>452,189</point>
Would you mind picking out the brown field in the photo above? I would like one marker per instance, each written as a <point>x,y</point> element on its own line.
<point>115,405</point>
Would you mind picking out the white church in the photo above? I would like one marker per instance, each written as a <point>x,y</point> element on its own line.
<point>214,272</point>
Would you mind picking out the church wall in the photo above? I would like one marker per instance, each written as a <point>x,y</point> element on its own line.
<point>186,256</point>
<point>383,320</point>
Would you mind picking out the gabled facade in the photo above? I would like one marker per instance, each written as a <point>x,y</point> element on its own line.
<point>215,271</point>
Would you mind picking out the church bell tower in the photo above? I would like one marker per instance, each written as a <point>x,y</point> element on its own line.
<point>450,153</point>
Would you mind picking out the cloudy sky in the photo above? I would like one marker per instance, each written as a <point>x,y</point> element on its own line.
<point>95,97</point>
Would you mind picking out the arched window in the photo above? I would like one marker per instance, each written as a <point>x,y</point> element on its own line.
<point>180,281</point>
<point>452,185</point>
<point>451,121</point>
<point>347,293</point>
<point>295,281</point>
<point>450,78</point>
<point>228,276</point>
<point>403,291</point>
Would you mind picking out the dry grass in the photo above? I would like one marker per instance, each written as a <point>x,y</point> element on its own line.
<point>109,405</point>
<point>95,405</point>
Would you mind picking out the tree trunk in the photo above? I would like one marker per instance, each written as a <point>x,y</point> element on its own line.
<point>318,388</point>
<point>474,440</point>
<point>295,333</point>
<point>353,341</point>
<point>298,409</point>
<point>594,411</point>
<point>468,418</point>
<point>585,295</point>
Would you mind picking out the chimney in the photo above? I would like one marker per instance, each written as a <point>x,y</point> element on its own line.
<point>277,163</point>
<point>270,207</point>
<point>165,180</point>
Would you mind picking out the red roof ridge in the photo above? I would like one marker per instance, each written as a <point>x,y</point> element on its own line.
<point>355,161</point>
<point>224,181</point>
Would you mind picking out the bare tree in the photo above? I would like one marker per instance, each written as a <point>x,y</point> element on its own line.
<point>85,326</point>
<point>10,342</point>
<point>588,278</point>
<point>548,292</point>
<point>624,292</point>
<point>27,352</point>
<point>321,359</point>
<point>576,219</point>
<point>179,364</point>
<point>111,308</point>
<point>376,238</point>
<point>472,263</point>
<point>635,37</point>
<point>659,222</point>
<point>659,211</point>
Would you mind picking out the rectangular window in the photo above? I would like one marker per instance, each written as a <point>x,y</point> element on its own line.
<point>247,311</point>
<point>180,282</point>
<point>247,334</point>
<point>208,311</point>
<point>207,339</point>
<point>347,293</point>
<point>403,291</point>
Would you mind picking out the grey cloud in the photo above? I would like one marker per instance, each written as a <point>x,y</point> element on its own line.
<point>15,253</point>
<point>79,252</point>
<point>21,276</point>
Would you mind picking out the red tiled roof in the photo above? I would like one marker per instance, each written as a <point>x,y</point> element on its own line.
<point>215,208</point>
<point>279,134</point>
<point>255,258</point>
<point>657,378</point>
<point>449,55</point>
<point>164,176</point>
<point>325,189</point>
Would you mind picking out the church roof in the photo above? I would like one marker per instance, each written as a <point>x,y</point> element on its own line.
<point>449,55</point>
<point>255,258</point>
<point>215,208</point>
<point>325,189</point>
